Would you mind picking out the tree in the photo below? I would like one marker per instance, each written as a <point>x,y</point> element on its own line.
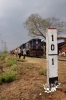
<point>37,26</point>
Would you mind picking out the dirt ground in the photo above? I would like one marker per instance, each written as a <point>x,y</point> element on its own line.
<point>29,85</point>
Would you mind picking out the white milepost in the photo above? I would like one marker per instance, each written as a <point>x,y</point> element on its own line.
<point>51,54</point>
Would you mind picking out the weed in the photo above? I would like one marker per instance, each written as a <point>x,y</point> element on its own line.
<point>42,71</point>
<point>35,84</point>
<point>11,61</point>
<point>8,76</point>
<point>14,67</point>
<point>3,56</point>
<point>29,67</point>
<point>1,97</point>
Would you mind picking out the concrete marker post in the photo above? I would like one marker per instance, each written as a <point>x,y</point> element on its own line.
<point>51,55</point>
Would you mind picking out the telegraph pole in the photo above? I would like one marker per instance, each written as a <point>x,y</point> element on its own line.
<point>4,48</point>
<point>2,44</point>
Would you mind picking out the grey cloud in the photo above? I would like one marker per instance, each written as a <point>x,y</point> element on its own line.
<point>14,12</point>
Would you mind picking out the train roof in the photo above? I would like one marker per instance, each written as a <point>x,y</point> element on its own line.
<point>34,39</point>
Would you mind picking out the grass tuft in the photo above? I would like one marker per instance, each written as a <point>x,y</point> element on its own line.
<point>29,67</point>
<point>42,71</point>
<point>14,67</point>
<point>8,77</point>
<point>10,62</point>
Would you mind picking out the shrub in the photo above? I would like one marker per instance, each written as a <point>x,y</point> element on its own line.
<point>8,76</point>
<point>11,61</point>
<point>14,67</point>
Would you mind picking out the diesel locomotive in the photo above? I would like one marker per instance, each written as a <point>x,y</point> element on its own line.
<point>33,47</point>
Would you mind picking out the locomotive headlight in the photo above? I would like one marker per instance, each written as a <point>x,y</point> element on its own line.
<point>36,42</point>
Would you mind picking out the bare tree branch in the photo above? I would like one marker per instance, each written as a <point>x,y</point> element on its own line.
<point>37,26</point>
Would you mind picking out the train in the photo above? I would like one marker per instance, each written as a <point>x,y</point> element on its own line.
<point>34,47</point>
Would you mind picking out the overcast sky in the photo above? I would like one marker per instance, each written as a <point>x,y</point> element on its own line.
<point>14,12</point>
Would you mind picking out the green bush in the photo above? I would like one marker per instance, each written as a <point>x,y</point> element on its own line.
<point>14,67</point>
<point>8,76</point>
<point>42,71</point>
<point>11,61</point>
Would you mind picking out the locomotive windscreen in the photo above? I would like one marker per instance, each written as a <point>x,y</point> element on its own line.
<point>36,44</point>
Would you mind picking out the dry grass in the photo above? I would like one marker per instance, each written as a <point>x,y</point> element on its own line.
<point>29,85</point>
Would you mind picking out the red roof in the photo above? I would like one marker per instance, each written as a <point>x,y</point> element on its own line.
<point>60,45</point>
<point>60,38</point>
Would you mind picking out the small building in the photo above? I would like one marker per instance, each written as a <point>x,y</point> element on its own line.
<point>63,48</point>
<point>60,45</point>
